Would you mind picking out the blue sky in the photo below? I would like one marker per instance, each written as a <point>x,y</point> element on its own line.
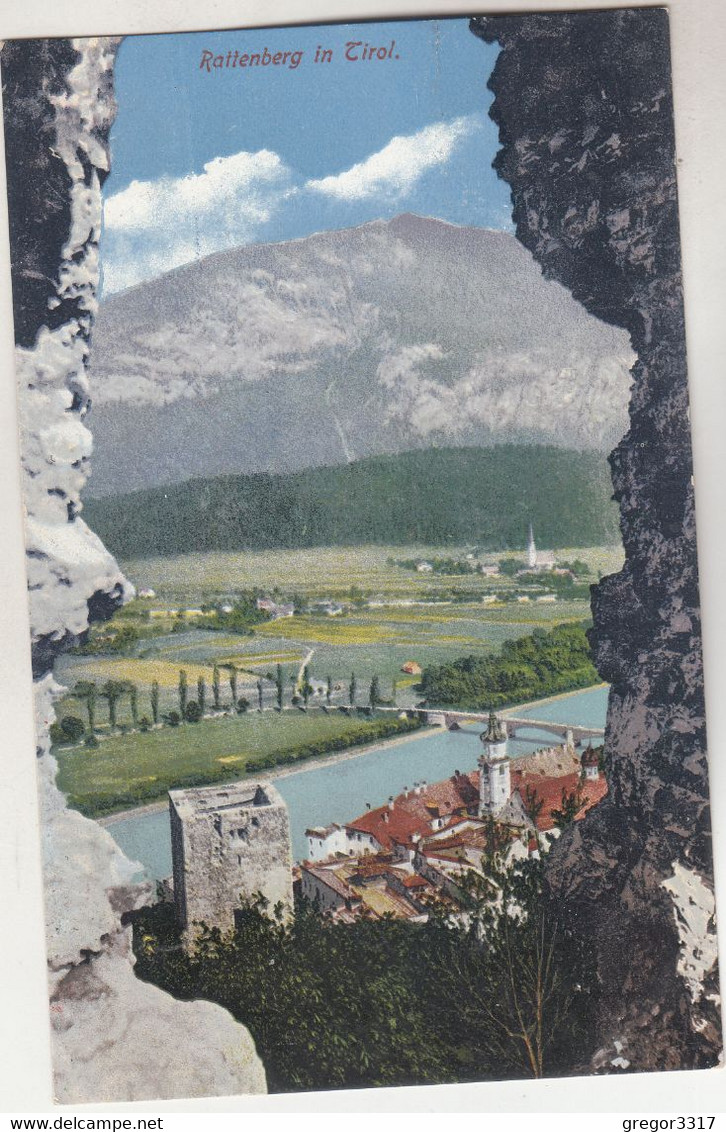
<point>207,157</point>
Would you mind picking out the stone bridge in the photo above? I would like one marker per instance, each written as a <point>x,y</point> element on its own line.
<point>566,732</point>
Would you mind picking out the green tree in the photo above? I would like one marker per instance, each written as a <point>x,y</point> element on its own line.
<point>306,686</point>
<point>183,691</point>
<point>69,730</point>
<point>260,691</point>
<point>507,993</point>
<point>352,689</point>
<point>134,703</point>
<point>233,686</point>
<point>201,693</point>
<point>280,687</point>
<point>524,989</point>
<point>193,712</point>
<point>86,691</point>
<point>570,806</point>
<point>533,666</point>
<point>215,686</point>
<point>112,691</point>
<point>374,692</point>
<point>154,696</point>
<point>328,689</point>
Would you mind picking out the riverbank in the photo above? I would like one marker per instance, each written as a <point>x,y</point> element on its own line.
<point>311,765</point>
<point>139,768</point>
<point>529,704</point>
<point>340,787</point>
<point>285,772</point>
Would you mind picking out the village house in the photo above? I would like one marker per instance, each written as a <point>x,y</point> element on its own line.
<point>438,832</point>
<point>373,888</point>
<point>287,609</point>
<point>329,608</point>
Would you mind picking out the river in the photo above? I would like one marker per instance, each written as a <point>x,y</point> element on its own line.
<point>339,791</point>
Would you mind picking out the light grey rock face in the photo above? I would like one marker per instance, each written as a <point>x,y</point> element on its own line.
<point>114,1038</point>
<point>392,336</point>
<point>592,171</point>
<point>117,1038</point>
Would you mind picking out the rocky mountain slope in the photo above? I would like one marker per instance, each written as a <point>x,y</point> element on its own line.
<point>113,1037</point>
<point>378,339</point>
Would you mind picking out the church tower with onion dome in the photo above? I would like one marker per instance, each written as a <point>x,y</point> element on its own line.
<point>495,784</point>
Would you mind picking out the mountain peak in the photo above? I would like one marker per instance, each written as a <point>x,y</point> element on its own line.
<point>395,335</point>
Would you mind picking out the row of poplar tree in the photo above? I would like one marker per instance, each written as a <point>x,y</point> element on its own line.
<point>113,692</point>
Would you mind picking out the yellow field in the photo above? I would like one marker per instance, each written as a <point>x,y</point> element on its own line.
<point>257,659</point>
<point>332,631</point>
<point>141,671</point>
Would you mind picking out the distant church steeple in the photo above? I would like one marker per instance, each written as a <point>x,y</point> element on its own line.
<point>531,550</point>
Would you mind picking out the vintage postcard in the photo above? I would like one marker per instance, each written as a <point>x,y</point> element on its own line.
<point>361,555</point>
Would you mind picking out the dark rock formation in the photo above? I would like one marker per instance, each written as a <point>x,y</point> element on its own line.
<point>583,102</point>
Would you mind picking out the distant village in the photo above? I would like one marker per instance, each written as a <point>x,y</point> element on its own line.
<point>538,569</point>
<point>398,860</point>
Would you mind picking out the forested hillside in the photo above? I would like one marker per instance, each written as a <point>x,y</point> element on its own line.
<point>432,497</point>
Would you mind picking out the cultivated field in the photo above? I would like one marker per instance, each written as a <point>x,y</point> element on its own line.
<point>393,615</point>
<point>188,580</point>
<point>146,765</point>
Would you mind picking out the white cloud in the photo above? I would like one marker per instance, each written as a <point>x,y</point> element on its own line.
<point>153,226</point>
<point>395,169</point>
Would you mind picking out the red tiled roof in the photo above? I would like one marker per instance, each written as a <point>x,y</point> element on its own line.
<point>415,882</point>
<point>454,797</point>
<point>412,814</point>
<point>372,869</point>
<point>551,792</point>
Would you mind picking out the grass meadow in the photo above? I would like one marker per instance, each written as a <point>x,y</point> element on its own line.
<point>148,764</point>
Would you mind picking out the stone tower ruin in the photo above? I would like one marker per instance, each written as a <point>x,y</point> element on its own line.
<point>228,843</point>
